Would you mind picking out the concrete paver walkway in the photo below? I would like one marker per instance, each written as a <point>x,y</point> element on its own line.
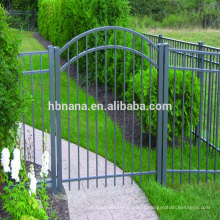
<point>126,202</point>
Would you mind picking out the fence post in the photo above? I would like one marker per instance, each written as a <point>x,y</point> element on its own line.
<point>200,76</point>
<point>28,22</point>
<point>165,112</point>
<point>160,39</point>
<point>159,140</point>
<point>52,118</point>
<point>58,119</point>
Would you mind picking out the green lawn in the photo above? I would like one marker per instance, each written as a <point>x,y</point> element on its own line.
<point>209,37</point>
<point>172,202</point>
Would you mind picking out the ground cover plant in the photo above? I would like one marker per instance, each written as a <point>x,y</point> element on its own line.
<point>201,198</point>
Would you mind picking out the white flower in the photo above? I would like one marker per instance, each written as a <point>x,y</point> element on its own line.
<point>16,154</point>
<point>15,170</point>
<point>33,185</point>
<point>45,164</point>
<point>15,165</point>
<point>5,160</point>
<point>33,182</point>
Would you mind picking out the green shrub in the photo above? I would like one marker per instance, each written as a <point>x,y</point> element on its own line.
<point>10,81</point>
<point>60,21</point>
<point>178,104</point>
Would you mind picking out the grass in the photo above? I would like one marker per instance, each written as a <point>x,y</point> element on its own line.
<point>173,202</point>
<point>209,37</point>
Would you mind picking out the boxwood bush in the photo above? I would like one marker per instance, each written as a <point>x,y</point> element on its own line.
<point>178,80</point>
<point>10,81</point>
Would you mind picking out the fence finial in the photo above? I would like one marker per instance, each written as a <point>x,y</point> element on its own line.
<point>160,38</point>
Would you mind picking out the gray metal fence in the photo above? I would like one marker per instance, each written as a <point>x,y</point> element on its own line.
<point>201,142</point>
<point>34,72</point>
<point>178,44</point>
<point>23,20</point>
<point>205,66</point>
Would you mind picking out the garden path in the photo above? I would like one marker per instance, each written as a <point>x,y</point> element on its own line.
<point>121,202</point>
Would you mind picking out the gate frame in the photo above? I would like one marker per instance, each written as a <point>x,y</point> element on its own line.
<point>161,145</point>
<point>162,115</point>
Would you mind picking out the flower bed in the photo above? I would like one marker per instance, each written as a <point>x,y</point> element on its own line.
<point>21,199</point>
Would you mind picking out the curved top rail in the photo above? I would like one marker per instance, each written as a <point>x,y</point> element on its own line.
<point>106,28</point>
<point>106,47</point>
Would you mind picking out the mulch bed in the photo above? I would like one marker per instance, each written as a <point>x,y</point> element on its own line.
<point>60,203</point>
<point>110,100</point>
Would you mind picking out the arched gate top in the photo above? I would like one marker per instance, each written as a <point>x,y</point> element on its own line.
<point>107,28</point>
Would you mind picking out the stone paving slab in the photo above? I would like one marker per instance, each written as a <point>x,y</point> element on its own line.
<point>120,202</point>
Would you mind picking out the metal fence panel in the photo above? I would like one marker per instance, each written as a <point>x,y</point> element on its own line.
<point>195,61</point>
<point>23,20</point>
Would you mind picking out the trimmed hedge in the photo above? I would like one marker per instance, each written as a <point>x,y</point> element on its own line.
<point>178,80</point>
<point>60,21</point>
<point>10,81</point>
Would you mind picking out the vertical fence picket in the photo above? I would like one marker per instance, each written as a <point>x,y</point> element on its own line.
<point>159,113</point>
<point>124,59</point>
<point>52,118</point>
<point>115,113</point>
<point>87,112</point>
<point>200,76</point>
<point>58,120</point>
<point>106,104</point>
<point>78,150</point>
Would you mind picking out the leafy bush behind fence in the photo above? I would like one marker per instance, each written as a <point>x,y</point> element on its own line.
<point>176,90</point>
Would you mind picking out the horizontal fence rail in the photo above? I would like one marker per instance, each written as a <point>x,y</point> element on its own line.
<point>183,45</point>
